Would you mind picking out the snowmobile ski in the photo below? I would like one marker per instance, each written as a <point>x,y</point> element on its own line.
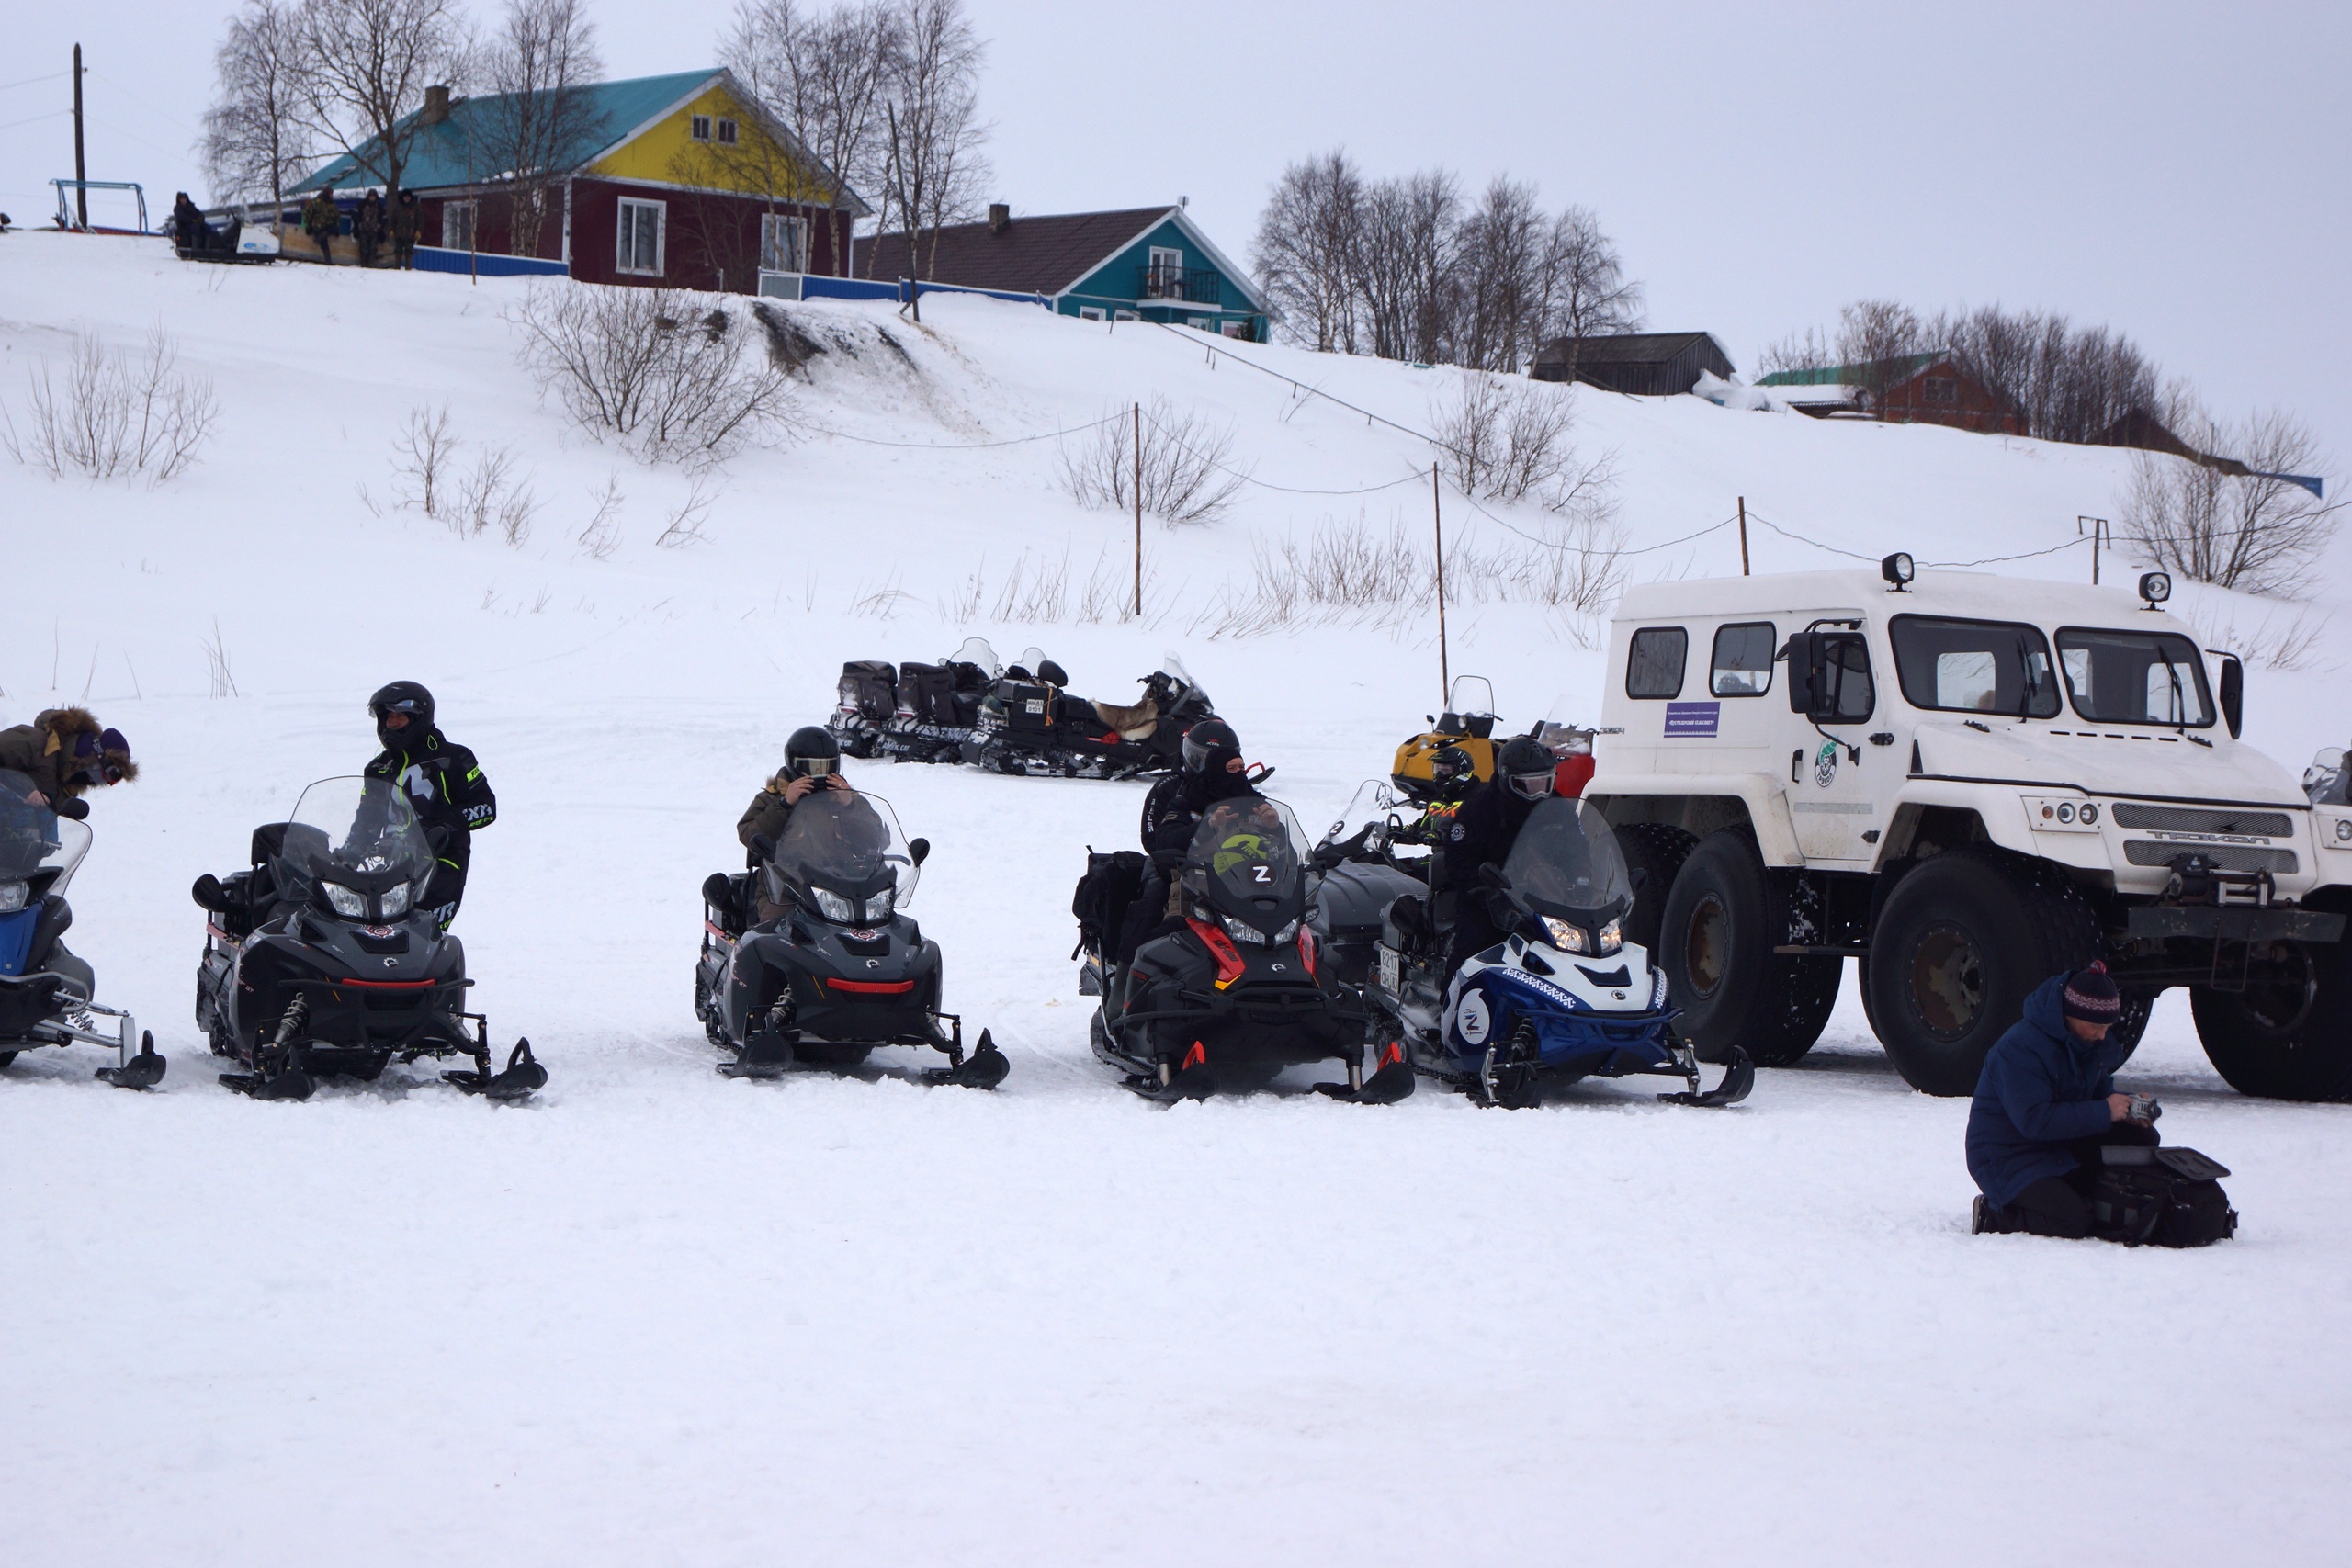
<point>1739,1077</point>
<point>1391,1082</point>
<point>143,1069</point>
<point>766,1055</point>
<point>522,1076</point>
<point>985,1069</point>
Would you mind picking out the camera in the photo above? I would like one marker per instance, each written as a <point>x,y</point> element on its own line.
<point>2144,1109</point>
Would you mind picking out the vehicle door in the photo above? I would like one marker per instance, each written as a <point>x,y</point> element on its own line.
<point>1835,774</point>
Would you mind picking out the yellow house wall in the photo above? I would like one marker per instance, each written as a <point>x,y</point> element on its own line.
<point>666,153</point>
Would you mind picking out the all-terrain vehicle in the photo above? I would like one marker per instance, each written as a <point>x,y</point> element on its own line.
<point>913,713</point>
<point>809,958</point>
<point>1563,997</point>
<point>1239,991</point>
<point>1027,723</point>
<point>46,991</point>
<point>1967,783</point>
<point>319,962</point>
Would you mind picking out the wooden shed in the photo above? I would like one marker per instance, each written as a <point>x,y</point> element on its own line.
<point>1658,365</point>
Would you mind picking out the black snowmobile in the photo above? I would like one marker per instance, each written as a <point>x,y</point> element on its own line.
<point>913,713</point>
<point>45,990</point>
<point>840,969</point>
<point>318,961</point>
<point>1240,990</point>
<point>1028,724</point>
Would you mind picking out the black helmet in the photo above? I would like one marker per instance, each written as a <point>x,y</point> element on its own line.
<point>1526,766</point>
<point>401,697</point>
<point>1450,766</point>
<point>1209,745</point>
<point>811,753</point>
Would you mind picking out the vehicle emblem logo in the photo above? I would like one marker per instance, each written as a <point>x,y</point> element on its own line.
<point>874,963</point>
<point>380,931</point>
<point>392,963</point>
<point>1824,764</point>
<point>1471,1018</point>
<point>861,934</point>
<point>1275,967</point>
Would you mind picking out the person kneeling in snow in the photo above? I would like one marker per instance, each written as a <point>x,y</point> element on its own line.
<point>65,752</point>
<point>2046,1104</point>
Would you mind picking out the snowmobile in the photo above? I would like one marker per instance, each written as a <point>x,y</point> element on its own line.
<point>1563,997</point>
<point>319,962</point>
<point>1469,723</point>
<point>913,713</point>
<point>840,969</point>
<point>1029,724</point>
<point>1240,991</point>
<point>45,990</point>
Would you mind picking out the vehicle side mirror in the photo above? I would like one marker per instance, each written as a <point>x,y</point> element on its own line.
<point>2233,694</point>
<point>717,891</point>
<point>2331,757</point>
<point>1802,652</point>
<point>919,850</point>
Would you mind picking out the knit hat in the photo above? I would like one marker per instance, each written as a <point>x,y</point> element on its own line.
<point>2092,996</point>
<point>104,758</point>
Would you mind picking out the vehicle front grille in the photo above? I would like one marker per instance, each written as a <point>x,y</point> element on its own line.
<point>2203,819</point>
<point>2228,857</point>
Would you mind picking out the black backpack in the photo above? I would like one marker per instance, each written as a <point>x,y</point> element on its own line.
<point>1111,883</point>
<point>2160,1197</point>
<point>870,689</point>
<point>927,692</point>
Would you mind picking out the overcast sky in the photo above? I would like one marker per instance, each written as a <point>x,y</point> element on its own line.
<point>2178,172</point>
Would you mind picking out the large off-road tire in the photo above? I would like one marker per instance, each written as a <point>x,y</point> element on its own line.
<point>1961,942</point>
<point>1716,939</point>
<point>1658,849</point>
<point>2291,1042</point>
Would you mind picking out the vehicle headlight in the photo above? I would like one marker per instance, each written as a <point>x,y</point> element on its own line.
<point>1241,931</point>
<point>395,901</point>
<point>13,896</point>
<point>834,907</point>
<point>350,905</point>
<point>877,908</point>
<point>1288,933</point>
<point>1612,935</point>
<point>1565,937</point>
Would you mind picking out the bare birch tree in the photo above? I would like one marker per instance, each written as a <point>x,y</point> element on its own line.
<point>1403,262</point>
<point>931,117</point>
<point>537,65</point>
<point>2257,531</point>
<point>366,66</point>
<point>822,73</point>
<point>1303,250</point>
<point>1504,275</point>
<point>253,146</point>
<point>1587,291</point>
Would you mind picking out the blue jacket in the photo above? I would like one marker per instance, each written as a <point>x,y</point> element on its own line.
<point>2041,1089</point>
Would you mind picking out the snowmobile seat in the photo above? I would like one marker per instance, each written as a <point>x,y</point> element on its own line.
<point>928,693</point>
<point>1134,723</point>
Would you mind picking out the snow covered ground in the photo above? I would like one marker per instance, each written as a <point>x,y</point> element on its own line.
<point>659,1316</point>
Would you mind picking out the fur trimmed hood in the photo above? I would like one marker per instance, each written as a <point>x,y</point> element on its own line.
<point>64,747</point>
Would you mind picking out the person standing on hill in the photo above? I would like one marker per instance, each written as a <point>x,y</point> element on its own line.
<point>405,218</point>
<point>320,219</point>
<point>368,228</point>
<point>444,784</point>
<point>65,753</point>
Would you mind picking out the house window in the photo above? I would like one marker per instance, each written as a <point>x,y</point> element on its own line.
<point>726,134</point>
<point>1122,315</point>
<point>1090,312</point>
<point>1164,279</point>
<point>457,225</point>
<point>1233,328</point>
<point>784,241</point>
<point>701,128</point>
<point>1941,389</point>
<point>640,237</point>
<point>1198,323</point>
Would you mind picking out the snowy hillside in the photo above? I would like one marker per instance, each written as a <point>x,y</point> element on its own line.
<point>657,1316</point>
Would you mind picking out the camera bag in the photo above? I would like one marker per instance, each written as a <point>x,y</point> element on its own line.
<point>2160,1197</point>
<point>1111,883</point>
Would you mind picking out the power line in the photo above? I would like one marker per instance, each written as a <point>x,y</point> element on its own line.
<point>52,77</point>
<point>31,120</point>
<point>965,445</point>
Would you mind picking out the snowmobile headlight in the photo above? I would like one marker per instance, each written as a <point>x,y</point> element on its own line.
<point>351,905</point>
<point>13,896</point>
<point>1567,937</point>
<point>877,908</point>
<point>1240,930</point>
<point>1612,935</point>
<point>395,901</point>
<point>834,907</point>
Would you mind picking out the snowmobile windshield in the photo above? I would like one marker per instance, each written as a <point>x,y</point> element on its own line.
<point>1244,860</point>
<point>38,849</point>
<point>1471,695</point>
<point>977,652</point>
<point>1173,668</point>
<point>1565,861</point>
<point>843,857</point>
<point>1372,802</point>
<point>357,843</point>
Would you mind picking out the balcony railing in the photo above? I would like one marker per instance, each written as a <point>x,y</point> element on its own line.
<point>1192,284</point>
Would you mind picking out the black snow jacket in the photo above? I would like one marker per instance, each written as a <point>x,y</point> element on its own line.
<point>1173,812</point>
<point>2041,1088</point>
<point>1481,833</point>
<point>445,786</point>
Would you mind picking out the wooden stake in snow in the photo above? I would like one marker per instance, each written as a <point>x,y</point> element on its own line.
<point>1138,511</point>
<point>1437,521</point>
<point>1743,535</point>
<point>81,171</point>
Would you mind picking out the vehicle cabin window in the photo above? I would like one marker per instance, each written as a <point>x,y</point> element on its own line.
<point>1846,674</point>
<point>1957,666</point>
<point>2120,677</point>
<point>1654,663</point>
<point>1743,660</point>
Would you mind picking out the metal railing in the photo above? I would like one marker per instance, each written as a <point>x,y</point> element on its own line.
<point>1193,285</point>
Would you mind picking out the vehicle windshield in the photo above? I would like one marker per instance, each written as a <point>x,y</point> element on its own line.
<point>977,651</point>
<point>35,840</point>
<point>1565,860</point>
<point>359,832</point>
<point>1999,667</point>
<point>1174,667</point>
<point>1372,802</point>
<point>845,845</point>
<point>1471,695</point>
<point>1248,848</point>
<point>2120,677</point>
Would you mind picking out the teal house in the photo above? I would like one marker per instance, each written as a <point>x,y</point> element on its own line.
<point>1149,264</point>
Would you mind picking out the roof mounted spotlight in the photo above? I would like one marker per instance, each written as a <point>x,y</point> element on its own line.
<point>1898,569</point>
<point>2156,587</point>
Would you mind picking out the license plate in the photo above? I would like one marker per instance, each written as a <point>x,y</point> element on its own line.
<point>1389,971</point>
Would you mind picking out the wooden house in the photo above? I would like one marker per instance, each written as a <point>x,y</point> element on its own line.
<point>678,181</point>
<point>1911,388</point>
<point>1661,365</point>
<point>1150,263</point>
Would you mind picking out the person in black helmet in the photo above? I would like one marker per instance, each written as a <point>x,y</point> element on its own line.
<point>812,760</point>
<point>444,784</point>
<point>1213,771</point>
<point>1453,776</point>
<point>1480,835</point>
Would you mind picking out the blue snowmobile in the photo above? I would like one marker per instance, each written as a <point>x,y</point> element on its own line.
<point>1563,997</point>
<point>45,989</point>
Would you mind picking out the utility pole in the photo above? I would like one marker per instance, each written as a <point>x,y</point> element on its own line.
<point>2099,525</point>
<point>1437,522</point>
<point>80,170</point>
<point>1138,482</point>
<point>1743,535</point>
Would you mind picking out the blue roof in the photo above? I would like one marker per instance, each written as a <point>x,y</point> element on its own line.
<point>453,151</point>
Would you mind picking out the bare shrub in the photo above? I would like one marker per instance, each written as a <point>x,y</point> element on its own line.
<point>602,536</point>
<point>662,370</point>
<point>685,526</point>
<point>1187,476</point>
<point>223,682</point>
<point>113,413</point>
<point>1510,442</point>
<point>2257,532</point>
<point>2289,645</point>
<point>1039,595</point>
<point>422,454</point>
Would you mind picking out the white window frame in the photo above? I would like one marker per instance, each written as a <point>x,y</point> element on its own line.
<point>471,213</point>
<point>790,256</point>
<point>625,227</point>
<point>1167,259</point>
<point>1124,316</point>
<point>699,126</point>
<point>726,135</point>
<point>1090,312</point>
